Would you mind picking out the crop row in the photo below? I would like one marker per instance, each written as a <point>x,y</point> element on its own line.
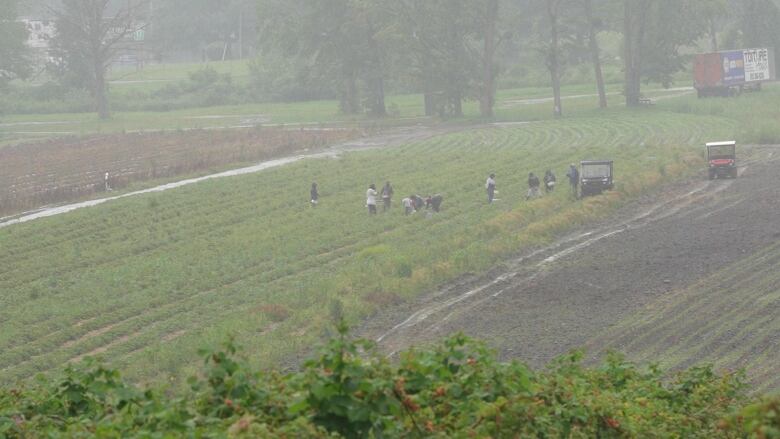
<point>247,255</point>
<point>35,174</point>
<point>735,325</point>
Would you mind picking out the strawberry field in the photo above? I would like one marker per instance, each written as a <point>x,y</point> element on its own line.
<point>146,281</point>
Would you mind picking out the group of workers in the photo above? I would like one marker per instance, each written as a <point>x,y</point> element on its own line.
<point>534,184</point>
<point>414,203</point>
<point>411,204</point>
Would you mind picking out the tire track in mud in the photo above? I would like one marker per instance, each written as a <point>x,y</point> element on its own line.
<point>653,250</point>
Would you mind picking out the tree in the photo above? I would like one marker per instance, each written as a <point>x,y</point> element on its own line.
<point>15,59</point>
<point>204,28</point>
<point>340,39</point>
<point>653,33</point>
<point>759,23</point>
<point>553,54</point>
<point>443,39</point>
<point>88,38</point>
<point>487,95</point>
<point>593,46</point>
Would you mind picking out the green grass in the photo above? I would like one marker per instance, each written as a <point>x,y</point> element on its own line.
<point>17,128</point>
<point>149,280</point>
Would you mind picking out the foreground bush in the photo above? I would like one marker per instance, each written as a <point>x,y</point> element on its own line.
<point>457,389</point>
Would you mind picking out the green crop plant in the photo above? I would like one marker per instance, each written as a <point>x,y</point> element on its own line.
<point>144,285</point>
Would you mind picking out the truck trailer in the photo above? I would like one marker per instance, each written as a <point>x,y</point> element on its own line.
<point>730,72</point>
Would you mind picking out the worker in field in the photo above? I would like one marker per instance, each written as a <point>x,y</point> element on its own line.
<point>490,185</point>
<point>549,181</point>
<point>574,180</point>
<point>418,202</point>
<point>533,187</point>
<point>371,199</point>
<point>108,185</point>
<point>408,205</point>
<point>387,195</point>
<point>434,202</point>
<point>315,195</point>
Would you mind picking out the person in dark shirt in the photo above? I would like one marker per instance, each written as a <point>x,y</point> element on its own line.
<point>387,195</point>
<point>533,187</point>
<point>574,180</point>
<point>434,202</point>
<point>315,195</point>
<point>549,181</point>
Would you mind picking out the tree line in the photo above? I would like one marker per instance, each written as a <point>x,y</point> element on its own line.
<point>447,50</point>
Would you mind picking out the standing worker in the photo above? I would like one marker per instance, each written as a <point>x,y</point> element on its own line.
<point>533,187</point>
<point>108,186</point>
<point>387,195</point>
<point>315,195</point>
<point>371,199</point>
<point>490,185</point>
<point>574,180</point>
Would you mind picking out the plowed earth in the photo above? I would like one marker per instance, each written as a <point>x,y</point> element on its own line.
<point>686,277</point>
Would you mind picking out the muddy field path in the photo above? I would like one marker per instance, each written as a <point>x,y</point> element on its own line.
<point>581,290</point>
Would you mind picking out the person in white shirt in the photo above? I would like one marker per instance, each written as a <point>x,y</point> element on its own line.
<point>408,205</point>
<point>371,199</point>
<point>490,185</point>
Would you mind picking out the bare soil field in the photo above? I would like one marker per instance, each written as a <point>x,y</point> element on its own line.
<point>688,276</point>
<point>36,174</point>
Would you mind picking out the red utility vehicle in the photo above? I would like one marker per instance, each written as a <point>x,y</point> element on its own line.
<point>722,159</point>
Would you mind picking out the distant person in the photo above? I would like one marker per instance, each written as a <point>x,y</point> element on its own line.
<point>490,185</point>
<point>549,181</point>
<point>315,195</point>
<point>387,195</point>
<point>108,185</point>
<point>418,202</point>
<point>533,187</point>
<point>574,180</point>
<point>408,205</point>
<point>371,199</point>
<point>434,202</point>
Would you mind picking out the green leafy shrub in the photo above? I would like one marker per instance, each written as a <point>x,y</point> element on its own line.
<point>454,389</point>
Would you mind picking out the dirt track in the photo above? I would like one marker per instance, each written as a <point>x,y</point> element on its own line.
<point>549,301</point>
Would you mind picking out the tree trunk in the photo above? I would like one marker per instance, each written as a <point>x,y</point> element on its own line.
<point>487,98</point>
<point>555,74</point>
<point>632,44</point>
<point>378,107</point>
<point>714,34</point>
<point>595,55</point>
<point>101,95</point>
<point>456,104</point>
<point>430,103</point>
<point>349,95</point>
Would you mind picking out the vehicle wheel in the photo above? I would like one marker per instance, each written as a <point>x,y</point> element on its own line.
<point>711,175</point>
<point>734,173</point>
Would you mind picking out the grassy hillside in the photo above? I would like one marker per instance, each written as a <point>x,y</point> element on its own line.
<point>149,280</point>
